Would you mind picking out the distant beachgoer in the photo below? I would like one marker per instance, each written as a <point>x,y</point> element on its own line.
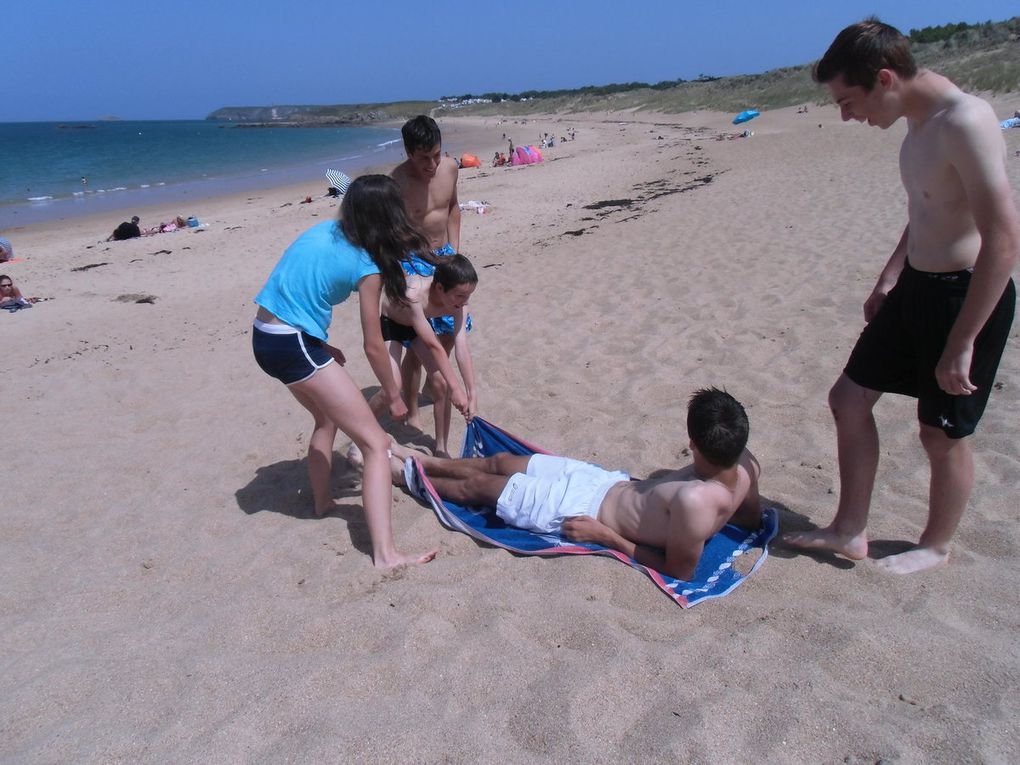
<point>10,296</point>
<point>939,316</point>
<point>6,250</point>
<point>165,228</point>
<point>360,251</point>
<point>126,230</point>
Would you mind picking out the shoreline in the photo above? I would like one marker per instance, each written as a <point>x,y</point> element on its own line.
<point>17,216</point>
<point>460,135</point>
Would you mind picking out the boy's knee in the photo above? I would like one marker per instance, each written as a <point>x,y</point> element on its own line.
<point>440,389</point>
<point>497,463</point>
<point>847,398</point>
<point>376,441</point>
<point>936,443</point>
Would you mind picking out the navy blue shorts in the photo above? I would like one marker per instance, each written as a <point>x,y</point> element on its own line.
<point>290,356</point>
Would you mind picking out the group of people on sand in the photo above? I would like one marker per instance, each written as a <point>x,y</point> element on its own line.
<point>131,229</point>
<point>936,324</point>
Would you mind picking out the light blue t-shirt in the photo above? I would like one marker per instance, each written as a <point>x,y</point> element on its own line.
<point>320,270</point>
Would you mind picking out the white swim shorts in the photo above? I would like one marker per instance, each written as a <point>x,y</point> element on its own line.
<point>554,488</point>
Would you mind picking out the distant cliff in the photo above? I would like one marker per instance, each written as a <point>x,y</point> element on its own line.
<point>339,114</point>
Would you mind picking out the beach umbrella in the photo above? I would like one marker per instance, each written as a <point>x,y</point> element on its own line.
<point>750,114</point>
<point>338,180</point>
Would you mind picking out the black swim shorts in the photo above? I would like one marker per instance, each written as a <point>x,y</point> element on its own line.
<point>899,348</point>
<point>391,330</point>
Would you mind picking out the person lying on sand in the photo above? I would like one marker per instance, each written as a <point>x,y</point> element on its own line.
<point>11,297</point>
<point>661,522</point>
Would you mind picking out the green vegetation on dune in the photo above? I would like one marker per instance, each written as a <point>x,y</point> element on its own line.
<point>978,57</point>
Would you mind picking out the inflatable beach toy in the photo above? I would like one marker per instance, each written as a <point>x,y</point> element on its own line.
<point>470,160</point>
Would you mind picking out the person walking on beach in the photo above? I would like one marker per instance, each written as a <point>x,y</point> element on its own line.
<point>939,316</point>
<point>428,184</point>
<point>360,251</point>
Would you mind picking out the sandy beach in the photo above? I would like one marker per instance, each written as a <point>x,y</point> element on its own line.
<point>169,597</point>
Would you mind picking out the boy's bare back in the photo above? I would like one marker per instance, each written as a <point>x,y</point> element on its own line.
<point>680,510</point>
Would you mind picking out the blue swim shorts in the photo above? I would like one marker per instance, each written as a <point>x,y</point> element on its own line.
<point>286,353</point>
<point>441,325</point>
<point>415,265</point>
<point>444,325</point>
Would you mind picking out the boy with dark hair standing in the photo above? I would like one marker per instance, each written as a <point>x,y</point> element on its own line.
<point>428,184</point>
<point>661,522</point>
<point>939,316</point>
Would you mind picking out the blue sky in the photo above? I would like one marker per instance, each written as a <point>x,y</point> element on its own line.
<point>66,59</point>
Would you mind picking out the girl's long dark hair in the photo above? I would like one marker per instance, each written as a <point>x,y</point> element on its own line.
<point>373,217</point>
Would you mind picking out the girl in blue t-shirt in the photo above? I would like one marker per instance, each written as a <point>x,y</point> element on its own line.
<point>361,251</point>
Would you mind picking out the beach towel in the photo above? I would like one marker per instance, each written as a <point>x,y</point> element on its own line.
<point>716,575</point>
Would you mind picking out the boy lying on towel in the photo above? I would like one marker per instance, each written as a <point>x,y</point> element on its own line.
<point>661,522</point>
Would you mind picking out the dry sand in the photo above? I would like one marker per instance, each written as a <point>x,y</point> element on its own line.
<point>168,597</point>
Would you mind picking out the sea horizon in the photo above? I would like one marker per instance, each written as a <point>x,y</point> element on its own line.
<point>71,168</point>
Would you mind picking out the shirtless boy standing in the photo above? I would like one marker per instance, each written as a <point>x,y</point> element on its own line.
<point>939,316</point>
<point>661,522</point>
<point>428,184</point>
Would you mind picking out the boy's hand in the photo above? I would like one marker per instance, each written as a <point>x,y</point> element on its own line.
<point>873,303</point>
<point>460,402</point>
<point>398,409</point>
<point>337,354</point>
<point>584,528</point>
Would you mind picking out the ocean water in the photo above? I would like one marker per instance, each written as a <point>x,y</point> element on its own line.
<point>128,164</point>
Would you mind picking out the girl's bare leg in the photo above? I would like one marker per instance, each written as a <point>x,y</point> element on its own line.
<point>332,391</point>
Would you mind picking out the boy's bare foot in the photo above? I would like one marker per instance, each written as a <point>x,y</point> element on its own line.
<point>400,559</point>
<point>396,470</point>
<point>918,559</point>
<point>403,452</point>
<point>853,547</point>
<point>355,457</point>
<point>326,509</point>
<point>413,421</point>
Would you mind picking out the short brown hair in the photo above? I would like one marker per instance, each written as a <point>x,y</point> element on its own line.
<point>861,50</point>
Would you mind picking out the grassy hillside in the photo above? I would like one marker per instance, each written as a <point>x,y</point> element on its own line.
<point>982,57</point>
